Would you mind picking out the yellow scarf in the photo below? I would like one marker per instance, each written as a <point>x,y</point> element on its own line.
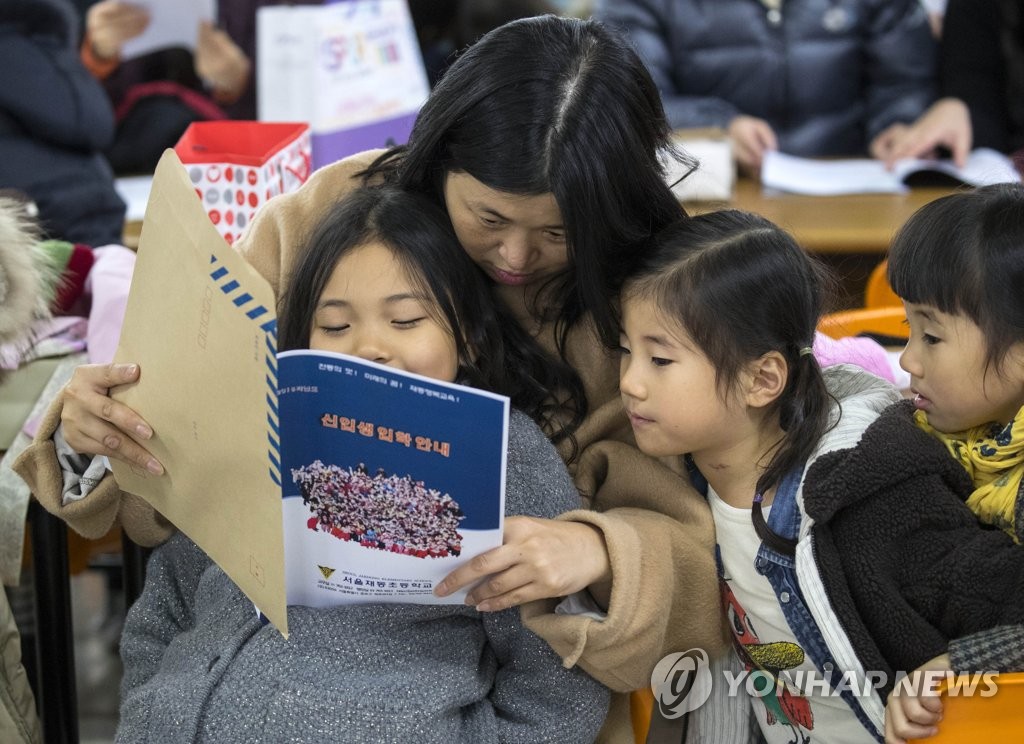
<point>994,459</point>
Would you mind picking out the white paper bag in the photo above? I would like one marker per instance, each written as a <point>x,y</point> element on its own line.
<point>352,69</point>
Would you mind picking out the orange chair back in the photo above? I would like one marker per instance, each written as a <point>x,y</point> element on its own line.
<point>984,720</point>
<point>641,706</point>
<point>877,292</point>
<point>883,321</point>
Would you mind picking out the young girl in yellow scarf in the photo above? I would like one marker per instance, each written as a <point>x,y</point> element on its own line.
<point>958,265</point>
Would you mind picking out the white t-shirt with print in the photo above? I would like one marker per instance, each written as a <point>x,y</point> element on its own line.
<point>779,667</point>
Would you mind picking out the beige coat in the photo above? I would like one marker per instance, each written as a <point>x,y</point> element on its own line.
<point>18,721</point>
<point>658,530</point>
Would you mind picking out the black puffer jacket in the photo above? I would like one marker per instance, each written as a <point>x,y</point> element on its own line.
<point>54,121</point>
<point>906,564</point>
<point>827,75</point>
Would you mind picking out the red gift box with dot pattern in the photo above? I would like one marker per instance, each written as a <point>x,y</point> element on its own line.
<point>237,166</point>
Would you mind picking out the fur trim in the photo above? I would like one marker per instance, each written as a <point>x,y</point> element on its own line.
<point>22,295</point>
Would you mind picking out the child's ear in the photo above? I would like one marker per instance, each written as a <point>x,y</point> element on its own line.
<point>1013,364</point>
<point>765,379</point>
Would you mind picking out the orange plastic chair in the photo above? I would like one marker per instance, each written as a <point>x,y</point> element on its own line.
<point>882,321</point>
<point>641,706</point>
<point>984,720</point>
<point>877,292</point>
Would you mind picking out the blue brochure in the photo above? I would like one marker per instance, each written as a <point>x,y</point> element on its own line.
<point>390,480</point>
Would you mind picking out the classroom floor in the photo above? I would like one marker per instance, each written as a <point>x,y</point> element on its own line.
<point>96,612</point>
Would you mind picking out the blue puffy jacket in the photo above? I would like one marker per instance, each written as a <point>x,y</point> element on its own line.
<point>827,75</point>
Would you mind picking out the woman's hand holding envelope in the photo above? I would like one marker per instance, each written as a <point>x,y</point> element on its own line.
<point>96,424</point>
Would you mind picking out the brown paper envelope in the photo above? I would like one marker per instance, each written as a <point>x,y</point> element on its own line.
<point>201,324</point>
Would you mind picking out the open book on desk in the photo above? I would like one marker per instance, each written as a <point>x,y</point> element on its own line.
<point>866,176</point>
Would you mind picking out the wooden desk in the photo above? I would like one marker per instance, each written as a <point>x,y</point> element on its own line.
<point>132,230</point>
<point>860,223</point>
<point>850,233</point>
<point>857,224</point>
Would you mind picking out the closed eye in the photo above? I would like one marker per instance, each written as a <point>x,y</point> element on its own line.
<point>333,330</point>
<point>407,323</point>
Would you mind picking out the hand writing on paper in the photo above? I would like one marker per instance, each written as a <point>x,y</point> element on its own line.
<point>539,558</point>
<point>111,23</point>
<point>96,424</point>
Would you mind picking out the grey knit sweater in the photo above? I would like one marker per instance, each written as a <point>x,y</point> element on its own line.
<point>200,667</point>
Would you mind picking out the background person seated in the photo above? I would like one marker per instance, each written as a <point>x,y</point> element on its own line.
<point>982,82</point>
<point>22,292</point>
<point>157,95</point>
<point>54,124</point>
<point>813,78</point>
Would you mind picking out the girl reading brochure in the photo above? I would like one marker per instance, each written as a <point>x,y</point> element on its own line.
<point>382,278</point>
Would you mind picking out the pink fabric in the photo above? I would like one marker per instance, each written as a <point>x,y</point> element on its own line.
<point>109,282</point>
<point>864,352</point>
<point>52,337</point>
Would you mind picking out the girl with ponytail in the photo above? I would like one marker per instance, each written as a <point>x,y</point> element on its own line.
<point>836,518</point>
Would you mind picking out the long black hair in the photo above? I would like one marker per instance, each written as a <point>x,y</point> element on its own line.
<point>964,255</point>
<point>741,287</point>
<point>494,352</point>
<point>562,106</point>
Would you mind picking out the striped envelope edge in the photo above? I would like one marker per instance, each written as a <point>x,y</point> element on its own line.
<point>200,323</point>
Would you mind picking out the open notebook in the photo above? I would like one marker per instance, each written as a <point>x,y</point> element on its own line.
<point>866,176</point>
